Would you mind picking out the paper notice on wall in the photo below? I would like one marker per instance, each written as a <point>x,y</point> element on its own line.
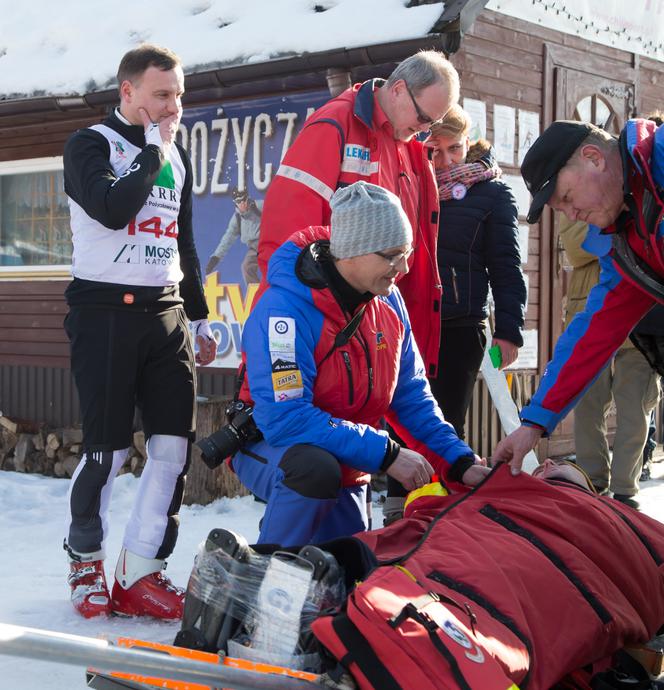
<point>524,232</point>
<point>520,191</point>
<point>477,113</point>
<point>504,128</point>
<point>527,358</point>
<point>528,131</point>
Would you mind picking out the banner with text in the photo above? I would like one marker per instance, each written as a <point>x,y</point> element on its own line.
<point>235,151</point>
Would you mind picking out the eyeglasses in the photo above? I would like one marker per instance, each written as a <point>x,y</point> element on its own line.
<point>395,259</point>
<point>422,117</point>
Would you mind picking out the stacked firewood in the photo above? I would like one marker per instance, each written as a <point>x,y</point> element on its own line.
<point>32,448</point>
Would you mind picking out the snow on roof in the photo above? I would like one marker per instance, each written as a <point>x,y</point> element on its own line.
<point>74,46</point>
<point>636,26</point>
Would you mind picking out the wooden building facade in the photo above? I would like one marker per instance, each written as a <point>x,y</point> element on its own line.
<point>501,60</point>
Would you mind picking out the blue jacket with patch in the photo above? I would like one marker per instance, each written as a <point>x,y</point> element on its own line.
<point>478,245</point>
<point>309,386</point>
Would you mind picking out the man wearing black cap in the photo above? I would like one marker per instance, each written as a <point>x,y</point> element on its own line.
<point>614,185</point>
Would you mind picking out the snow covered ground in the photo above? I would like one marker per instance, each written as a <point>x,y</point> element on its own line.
<point>33,589</point>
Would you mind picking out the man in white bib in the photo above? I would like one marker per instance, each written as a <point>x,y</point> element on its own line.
<point>136,283</point>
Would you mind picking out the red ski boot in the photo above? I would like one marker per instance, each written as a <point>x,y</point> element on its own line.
<point>141,589</point>
<point>89,592</point>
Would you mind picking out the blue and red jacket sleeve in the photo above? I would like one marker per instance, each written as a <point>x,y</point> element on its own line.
<point>290,419</point>
<point>613,308</point>
<point>414,412</point>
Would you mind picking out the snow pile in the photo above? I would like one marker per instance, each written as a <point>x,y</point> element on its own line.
<point>74,47</point>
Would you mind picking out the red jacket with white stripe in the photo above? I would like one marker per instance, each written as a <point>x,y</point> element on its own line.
<point>346,140</point>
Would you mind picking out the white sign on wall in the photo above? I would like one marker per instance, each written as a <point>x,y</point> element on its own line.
<point>524,232</point>
<point>477,113</point>
<point>527,358</point>
<point>504,128</point>
<point>520,191</point>
<point>528,131</point>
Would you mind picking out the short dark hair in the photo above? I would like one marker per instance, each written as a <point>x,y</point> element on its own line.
<point>137,60</point>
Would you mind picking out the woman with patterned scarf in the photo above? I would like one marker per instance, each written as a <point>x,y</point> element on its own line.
<point>477,247</point>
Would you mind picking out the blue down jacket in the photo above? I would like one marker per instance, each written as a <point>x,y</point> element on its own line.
<point>477,246</point>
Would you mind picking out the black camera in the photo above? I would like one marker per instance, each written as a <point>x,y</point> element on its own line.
<point>240,430</point>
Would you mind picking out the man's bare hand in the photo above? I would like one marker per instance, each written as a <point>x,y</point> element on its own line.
<point>207,349</point>
<point>411,469</point>
<point>514,447</point>
<point>161,133</point>
<point>475,474</point>
<point>508,351</point>
<point>205,342</point>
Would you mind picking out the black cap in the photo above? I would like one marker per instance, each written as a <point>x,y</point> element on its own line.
<point>544,159</point>
<point>239,195</point>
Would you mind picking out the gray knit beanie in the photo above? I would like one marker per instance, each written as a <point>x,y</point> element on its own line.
<point>365,219</point>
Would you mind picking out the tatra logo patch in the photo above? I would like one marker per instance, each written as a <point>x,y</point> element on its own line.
<point>288,381</point>
<point>287,385</point>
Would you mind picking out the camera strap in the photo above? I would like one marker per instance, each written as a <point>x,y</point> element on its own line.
<point>346,333</point>
<point>239,380</point>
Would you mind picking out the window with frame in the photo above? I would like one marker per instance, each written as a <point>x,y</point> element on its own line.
<point>34,216</point>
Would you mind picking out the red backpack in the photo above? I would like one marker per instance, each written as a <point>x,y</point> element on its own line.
<point>517,583</point>
<point>398,632</point>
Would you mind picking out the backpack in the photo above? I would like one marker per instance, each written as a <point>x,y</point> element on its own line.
<point>397,633</point>
<point>491,590</point>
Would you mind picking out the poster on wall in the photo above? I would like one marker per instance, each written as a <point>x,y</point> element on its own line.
<point>524,232</point>
<point>527,358</point>
<point>235,152</point>
<point>528,131</point>
<point>477,112</point>
<point>504,132</point>
<point>520,191</point>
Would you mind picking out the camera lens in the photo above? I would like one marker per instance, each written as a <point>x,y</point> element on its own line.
<point>219,445</point>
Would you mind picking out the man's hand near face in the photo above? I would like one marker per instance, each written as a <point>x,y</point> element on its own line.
<point>161,133</point>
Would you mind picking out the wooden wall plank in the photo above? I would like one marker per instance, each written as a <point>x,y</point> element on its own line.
<point>40,334</point>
